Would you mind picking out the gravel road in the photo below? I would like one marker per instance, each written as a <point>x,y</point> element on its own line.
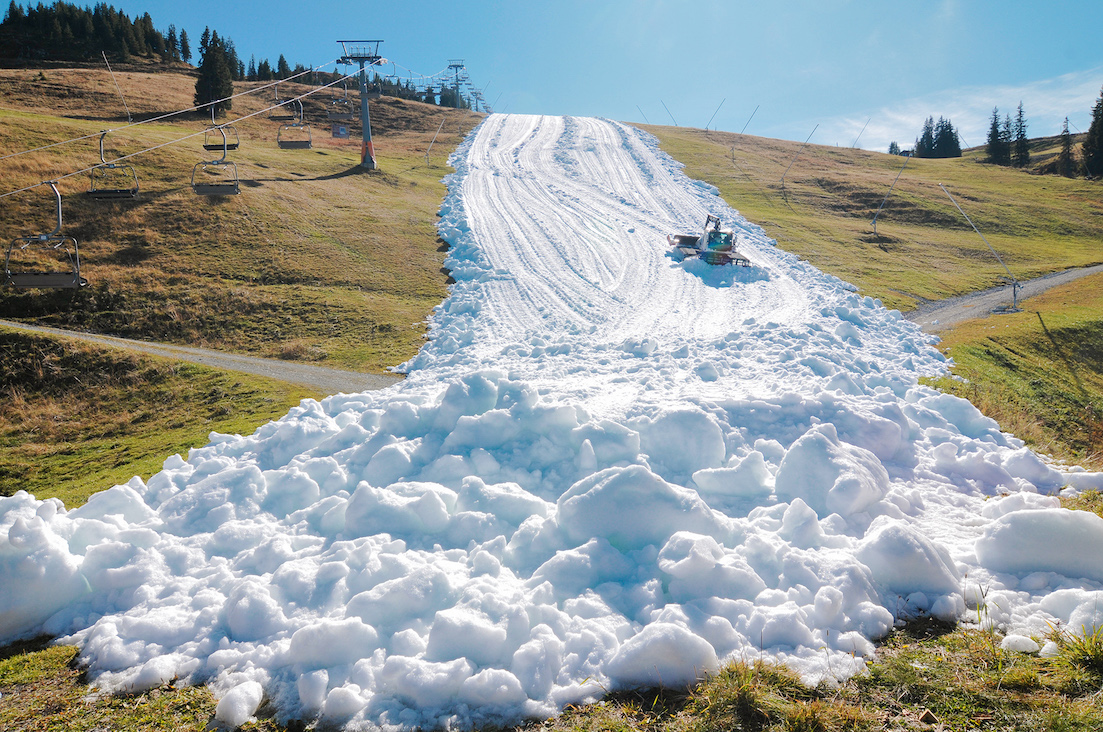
<point>937,315</point>
<point>325,380</point>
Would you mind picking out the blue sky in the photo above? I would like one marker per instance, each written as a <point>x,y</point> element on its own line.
<point>832,63</point>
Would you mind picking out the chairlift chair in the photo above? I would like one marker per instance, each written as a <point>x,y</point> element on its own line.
<point>216,177</point>
<point>44,260</point>
<point>340,109</point>
<point>294,136</point>
<point>282,111</point>
<point>214,141</point>
<point>112,180</point>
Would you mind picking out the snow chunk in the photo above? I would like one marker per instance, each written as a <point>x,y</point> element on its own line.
<point>1044,540</point>
<point>240,704</point>
<point>662,654</point>
<point>904,561</point>
<point>632,507</point>
<point>829,475</point>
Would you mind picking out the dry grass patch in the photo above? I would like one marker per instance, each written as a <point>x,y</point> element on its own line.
<point>314,250</point>
<point>923,249</point>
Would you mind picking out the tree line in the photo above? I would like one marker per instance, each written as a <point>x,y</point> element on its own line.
<point>66,32</point>
<point>936,140</point>
<point>1008,143</point>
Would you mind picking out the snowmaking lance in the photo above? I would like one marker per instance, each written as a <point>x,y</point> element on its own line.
<point>715,245</point>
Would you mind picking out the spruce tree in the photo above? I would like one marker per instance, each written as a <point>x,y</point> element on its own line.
<point>1064,158</point>
<point>1020,154</point>
<point>999,152</point>
<point>173,44</point>
<point>946,143</point>
<point>924,145</point>
<point>894,149</point>
<point>215,83</point>
<point>1092,149</point>
<point>282,69</point>
<point>185,47</point>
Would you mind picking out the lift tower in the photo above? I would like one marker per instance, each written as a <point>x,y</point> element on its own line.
<point>456,64</point>
<point>365,53</point>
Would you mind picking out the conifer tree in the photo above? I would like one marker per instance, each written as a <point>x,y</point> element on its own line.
<point>1020,154</point>
<point>185,47</point>
<point>997,148</point>
<point>283,70</point>
<point>215,83</point>
<point>924,145</point>
<point>173,44</point>
<point>1064,158</point>
<point>946,143</point>
<point>1092,149</point>
<point>894,149</point>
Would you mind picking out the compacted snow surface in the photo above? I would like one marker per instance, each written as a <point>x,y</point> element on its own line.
<point>606,469</point>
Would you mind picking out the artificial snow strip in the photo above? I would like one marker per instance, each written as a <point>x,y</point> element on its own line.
<point>606,469</point>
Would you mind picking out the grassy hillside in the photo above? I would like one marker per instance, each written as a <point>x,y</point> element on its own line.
<point>79,418</point>
<point>1039,372</point>
<point>314,260</point>
<point>923,248</point>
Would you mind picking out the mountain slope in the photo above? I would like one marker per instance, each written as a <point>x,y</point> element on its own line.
<point>607,469</point>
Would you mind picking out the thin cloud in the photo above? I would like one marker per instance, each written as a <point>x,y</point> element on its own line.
<point>1046,103</point>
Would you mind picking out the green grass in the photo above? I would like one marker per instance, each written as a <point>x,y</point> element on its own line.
<point>1039,372</point>
<point>923,249</point>
<point>80,418</point>
<point>43,690</point>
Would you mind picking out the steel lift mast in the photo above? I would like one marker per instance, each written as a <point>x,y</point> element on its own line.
<point>365,53</point>
<point>456,65</point>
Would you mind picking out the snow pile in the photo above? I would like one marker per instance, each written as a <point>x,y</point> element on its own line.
<point>605,470</point>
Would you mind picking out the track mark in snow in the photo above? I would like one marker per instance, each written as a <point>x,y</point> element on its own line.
<point>600,456</point>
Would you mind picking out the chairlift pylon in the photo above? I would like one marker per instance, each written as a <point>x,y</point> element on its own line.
<point>112,180</point>
<point>229,137</point>
<point>48,261</point>
<point>216,177</point>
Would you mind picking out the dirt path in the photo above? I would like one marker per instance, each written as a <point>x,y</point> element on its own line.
<point>328,381</point>
<point>937,315</point>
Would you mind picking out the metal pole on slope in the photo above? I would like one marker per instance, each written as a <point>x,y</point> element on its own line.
<point>906,159</point>
<point>859,137</point>
<point>1014,282</point>
<point>668,112</point>
<point>129,119</point>
<point>434,139</point>
<point>797,155</point>
<point>750,118</point>
<point>714,113</point>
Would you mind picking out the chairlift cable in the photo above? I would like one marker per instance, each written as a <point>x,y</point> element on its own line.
<point>82,171</point>
<point>162,117</point>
